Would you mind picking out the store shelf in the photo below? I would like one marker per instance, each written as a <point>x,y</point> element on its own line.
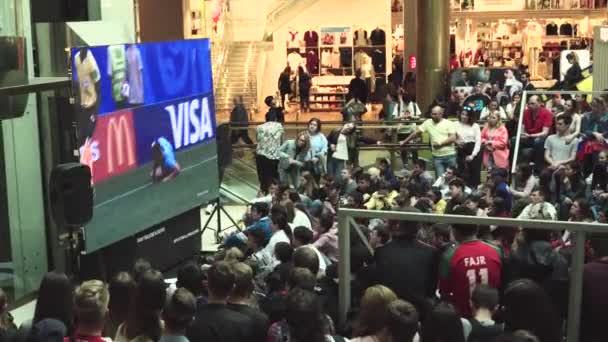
<point>531,14</point>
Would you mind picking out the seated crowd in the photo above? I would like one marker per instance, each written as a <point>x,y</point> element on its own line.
<point>277,279</point>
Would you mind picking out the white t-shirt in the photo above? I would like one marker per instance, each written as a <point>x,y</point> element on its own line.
<point>301,220</point>
<point>341,148</point>
<point>277,237</point>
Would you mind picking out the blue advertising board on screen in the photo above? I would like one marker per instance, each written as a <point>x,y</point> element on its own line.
<point>146,128</point>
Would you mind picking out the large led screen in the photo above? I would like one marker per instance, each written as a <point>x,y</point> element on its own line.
<point>146,128</point>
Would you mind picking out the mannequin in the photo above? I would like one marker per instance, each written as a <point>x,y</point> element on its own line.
<point>368,74</point>
<point>532,46</point>
<point>360,57</point>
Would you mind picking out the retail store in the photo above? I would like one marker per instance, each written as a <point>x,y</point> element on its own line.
<point>332,48</point>
<point>512,33</point>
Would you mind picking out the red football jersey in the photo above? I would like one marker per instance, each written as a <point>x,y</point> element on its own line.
<point>465,266</point>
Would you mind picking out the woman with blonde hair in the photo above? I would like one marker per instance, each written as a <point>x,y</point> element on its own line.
<point>374,313</point>
<point>495,143</point>
<point>293,155</point>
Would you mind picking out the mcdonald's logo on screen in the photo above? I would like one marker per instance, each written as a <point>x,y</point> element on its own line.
<point>117,145</point>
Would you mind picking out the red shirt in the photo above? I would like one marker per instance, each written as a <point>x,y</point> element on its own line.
<point>544,118</point>
<point>463,267</point>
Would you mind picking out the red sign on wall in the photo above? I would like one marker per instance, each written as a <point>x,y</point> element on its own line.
<point>413,62</point>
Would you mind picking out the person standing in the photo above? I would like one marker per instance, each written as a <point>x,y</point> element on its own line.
<point>468,144</point>
<point>495,141</point>
<point>408,266</point>
<point>241,300</point>
<point>337,154</point>
<point>269,137</point>
<point>318,149</point>
<point>468,264</point>
<point>443,136</point>
<point>357,89</point>
<point>239,120</point>
<point>216,321</point>
<point>285,85</point>
<point>574,74</point>
<point>177,315</point>
<point>91,300</point>
<point>304,84</point>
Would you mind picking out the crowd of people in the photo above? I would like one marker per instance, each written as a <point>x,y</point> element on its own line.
<point>276,280</point>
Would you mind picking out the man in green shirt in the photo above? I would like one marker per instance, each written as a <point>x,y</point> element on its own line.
<point>442,133</point>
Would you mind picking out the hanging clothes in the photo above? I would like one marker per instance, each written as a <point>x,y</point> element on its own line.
<point>378,37</point>
<point>312,61</point>
<point>360,37</point>
<point>565,29</point>
<point>292,39</point>
<point>326,58</point>
<point>311,38</point>
<point>346,57</point>
<point>379,60</point>
<point>335,59</point>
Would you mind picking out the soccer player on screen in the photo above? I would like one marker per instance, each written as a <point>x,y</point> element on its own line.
<point>164,164</point>
<point>117,72</point>
<point>89,93</point>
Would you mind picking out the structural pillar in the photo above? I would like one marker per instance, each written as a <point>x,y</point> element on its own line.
<point>433,50</point>
<point>600,58</point>
<point>410,33</point>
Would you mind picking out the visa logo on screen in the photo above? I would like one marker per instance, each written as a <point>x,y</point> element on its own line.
<point>191,122</point>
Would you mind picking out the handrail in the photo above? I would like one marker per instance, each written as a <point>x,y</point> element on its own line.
<point>576,276</point>
<point>365,147</point>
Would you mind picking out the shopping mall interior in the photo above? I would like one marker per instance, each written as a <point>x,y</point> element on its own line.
<point>209,145</point>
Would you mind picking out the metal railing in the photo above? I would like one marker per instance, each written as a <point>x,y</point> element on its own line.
<point>346,219</point>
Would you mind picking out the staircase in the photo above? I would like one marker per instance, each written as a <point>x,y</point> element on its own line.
<point>283,12</point>
<point>237,77</point>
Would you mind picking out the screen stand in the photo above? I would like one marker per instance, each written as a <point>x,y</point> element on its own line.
<point>72,244</point>
<point>217,211</point>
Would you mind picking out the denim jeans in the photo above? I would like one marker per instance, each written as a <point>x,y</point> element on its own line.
<point>334,168</point>
<point>442,163</point>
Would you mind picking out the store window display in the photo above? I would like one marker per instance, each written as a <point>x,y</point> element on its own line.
<point>332,55</point>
